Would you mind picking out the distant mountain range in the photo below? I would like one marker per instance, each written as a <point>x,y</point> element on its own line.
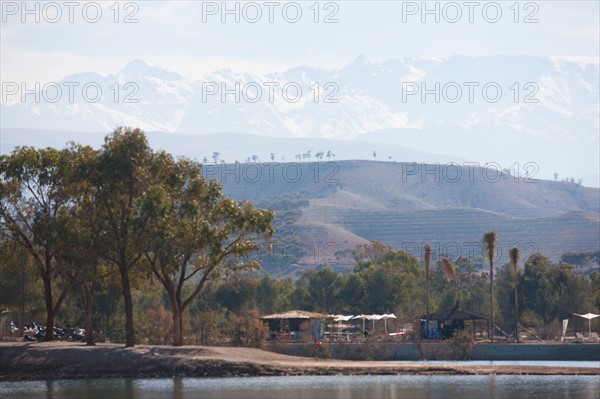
<point>502,109</point>
<point>308,158</point>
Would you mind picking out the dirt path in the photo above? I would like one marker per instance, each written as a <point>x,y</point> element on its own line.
<point>56,360</point>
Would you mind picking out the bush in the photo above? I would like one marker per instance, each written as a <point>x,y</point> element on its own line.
<point>461,342</point>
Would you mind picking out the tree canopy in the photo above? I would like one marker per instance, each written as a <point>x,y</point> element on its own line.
<point>126,206</point>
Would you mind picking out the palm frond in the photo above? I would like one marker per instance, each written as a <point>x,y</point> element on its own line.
<point>448,268</point>
<point>489,240</point>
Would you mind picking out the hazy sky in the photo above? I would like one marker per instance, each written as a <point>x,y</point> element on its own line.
<point>190,37</point>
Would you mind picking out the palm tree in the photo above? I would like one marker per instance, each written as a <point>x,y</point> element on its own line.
<point>490,238</point>
<point>427,259</point>
<point>514,255</point>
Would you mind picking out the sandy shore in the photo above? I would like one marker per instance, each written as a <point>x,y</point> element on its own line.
<point>59,360</point>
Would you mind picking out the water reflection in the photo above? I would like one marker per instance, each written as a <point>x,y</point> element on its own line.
<point>130,389</point>
<point>372,387</point>
<point>542,363</point>
<point>49,389</point>
<point>178,388</point>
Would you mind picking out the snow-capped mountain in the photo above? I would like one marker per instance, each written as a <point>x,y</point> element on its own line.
<point>541,109</point>
<point>531,94</point>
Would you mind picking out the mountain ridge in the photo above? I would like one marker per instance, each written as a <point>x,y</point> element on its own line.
<point>366,200</point>
<point>558,128</point>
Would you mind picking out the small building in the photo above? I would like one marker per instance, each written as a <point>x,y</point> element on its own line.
<point>295,323</point>
<point>443,325</point>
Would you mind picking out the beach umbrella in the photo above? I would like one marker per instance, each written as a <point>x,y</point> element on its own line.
<point>387,316</point>
<point>588,316</point>
<point>339,318</point>
<point>363,317</point>
<point>374,317</point>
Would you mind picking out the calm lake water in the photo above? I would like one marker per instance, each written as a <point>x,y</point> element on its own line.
<point>545,363</point>
<point>313,387</point>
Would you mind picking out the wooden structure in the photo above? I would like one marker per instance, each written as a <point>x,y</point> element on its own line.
<point>443,325</point>
<point>294,323</point>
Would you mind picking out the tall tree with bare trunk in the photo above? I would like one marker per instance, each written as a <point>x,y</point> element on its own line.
<point>119,175</point>
<point>490,240</point>
<point>514,256</point>
<point>34,214</point>
<point>427,260</point>
<point>195,234</point>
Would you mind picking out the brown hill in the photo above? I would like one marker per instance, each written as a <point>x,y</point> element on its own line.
<point>406,205</point>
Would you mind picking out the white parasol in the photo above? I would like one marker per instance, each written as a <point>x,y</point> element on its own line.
<point>374,317</point>
<point>588,316</point>
<point>339,318</point>
<point>363,317</point>
<point>387,316</point>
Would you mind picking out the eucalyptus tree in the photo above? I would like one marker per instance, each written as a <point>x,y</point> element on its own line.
<point>86,253</point>
<point>83,257</point>
<point>35,214</point>
<point>538,286</point>
<point>490,240</point>
<point>553,291</point>
<point>195,234</point>
<point>372,252</point>
<point>324,286</point>
<point>119,176</point>
<point>19,285</point>
<point>392,284</point>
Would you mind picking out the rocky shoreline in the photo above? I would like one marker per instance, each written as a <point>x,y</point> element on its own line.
<point>60,360</point>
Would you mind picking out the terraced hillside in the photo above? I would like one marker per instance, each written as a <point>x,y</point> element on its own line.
<point>406,204</point>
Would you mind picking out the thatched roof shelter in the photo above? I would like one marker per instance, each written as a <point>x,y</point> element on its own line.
<point>282,324</point>
<point>443,324</point>
<point>456,313</point>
